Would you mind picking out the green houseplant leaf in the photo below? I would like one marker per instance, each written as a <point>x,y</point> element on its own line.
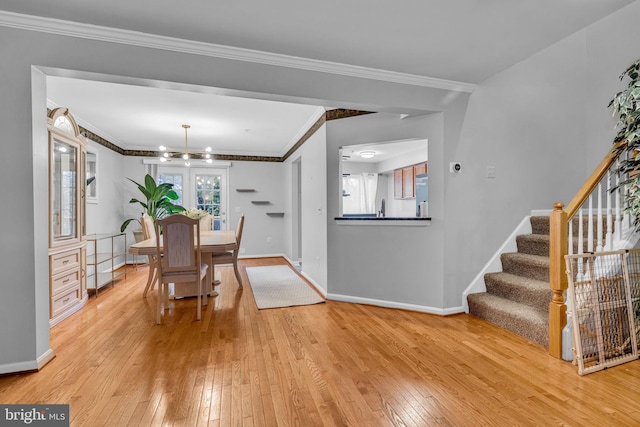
<point>626,106</point>
<point>157,201</point>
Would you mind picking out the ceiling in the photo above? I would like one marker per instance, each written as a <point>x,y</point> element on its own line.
<point>463,41</point>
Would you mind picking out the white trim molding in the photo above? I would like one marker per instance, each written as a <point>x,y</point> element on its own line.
<point>28,365</point>
<point>140,39</point>
<point>393,304</point>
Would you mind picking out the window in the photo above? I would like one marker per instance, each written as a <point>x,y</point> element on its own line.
<point>92,173</point>
<point>208,193</point>
<point>176,180</point>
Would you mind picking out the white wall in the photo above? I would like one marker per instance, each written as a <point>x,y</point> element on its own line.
<point>262,235</point>
<point>531,122</point>
<point>105,216</point>
<point>312,157</point>
<point>267,178</point>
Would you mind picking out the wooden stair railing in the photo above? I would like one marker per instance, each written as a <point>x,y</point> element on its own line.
<point>559,247</point>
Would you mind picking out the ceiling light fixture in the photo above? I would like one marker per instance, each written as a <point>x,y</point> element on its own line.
<point>367,154</point>
<point>186,155</point>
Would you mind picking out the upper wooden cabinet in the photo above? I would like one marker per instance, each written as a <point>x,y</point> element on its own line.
<point>397,183</point>
<point>404,180</point>
<point>67,185</point>
<point>408,182</point>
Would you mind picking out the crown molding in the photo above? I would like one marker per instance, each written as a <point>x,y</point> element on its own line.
<point>136,38</point>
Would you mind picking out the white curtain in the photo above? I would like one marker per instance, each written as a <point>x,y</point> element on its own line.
<point>370,188</point>
<point>360,193</point>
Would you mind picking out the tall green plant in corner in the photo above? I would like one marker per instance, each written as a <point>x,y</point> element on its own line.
<point>626,106</point>
<point>158,200</point>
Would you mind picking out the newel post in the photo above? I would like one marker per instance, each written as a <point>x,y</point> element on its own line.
<point>558,248</point>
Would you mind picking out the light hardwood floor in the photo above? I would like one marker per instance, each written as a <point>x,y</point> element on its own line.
<point>326,364</point>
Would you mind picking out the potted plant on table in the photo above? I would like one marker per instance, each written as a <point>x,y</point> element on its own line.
<point>157,203</point>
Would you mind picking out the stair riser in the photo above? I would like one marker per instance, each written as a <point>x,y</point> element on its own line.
<point>520,268</point>
<point>538,299</point>
<point>532,247</point>
<point>529,330</point>
<point>540,225</point>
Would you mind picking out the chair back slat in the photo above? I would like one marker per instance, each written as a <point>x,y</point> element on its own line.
<point>206,223</point>
<point>148,227</point>
<point>180,242</point>
<point>180,257</point>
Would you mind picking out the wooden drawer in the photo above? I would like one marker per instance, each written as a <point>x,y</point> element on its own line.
<point>65,300</point>
<point>62,281</point>
<point>64,261</point>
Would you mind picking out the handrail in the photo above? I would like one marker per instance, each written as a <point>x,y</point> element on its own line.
<point>593,180</point>
<point>558,248</point>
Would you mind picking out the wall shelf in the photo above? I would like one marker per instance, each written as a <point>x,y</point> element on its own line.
<point>261,202</point>
<point>275,214</point>
<point>245,190</point>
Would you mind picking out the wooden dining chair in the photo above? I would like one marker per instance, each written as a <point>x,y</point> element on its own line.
<point>206,223</point>
<point>231,257</point>
<point>149,232</point>
<point>180,259</point>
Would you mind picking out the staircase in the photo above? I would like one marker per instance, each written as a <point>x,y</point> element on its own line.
<point>517,298</point>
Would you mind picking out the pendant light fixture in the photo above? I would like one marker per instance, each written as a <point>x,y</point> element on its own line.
<point>186,155</point>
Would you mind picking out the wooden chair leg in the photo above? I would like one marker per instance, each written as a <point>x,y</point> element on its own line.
<point>235,269</point>
<point>159,304</point>
<point>199,301</point>
<point>153,274</point>
<point>155,278</point>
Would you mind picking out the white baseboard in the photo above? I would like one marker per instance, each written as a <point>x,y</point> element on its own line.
<point>322,291</point>
<point>398,305</point>
<point>28,365</point>
<point>494,264</point>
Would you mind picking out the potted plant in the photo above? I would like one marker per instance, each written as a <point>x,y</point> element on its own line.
<point>626,105</point>
<point>157,202</point>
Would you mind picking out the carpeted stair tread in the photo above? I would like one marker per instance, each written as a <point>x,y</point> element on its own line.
<point>521,319</point>
<point>533,244</point>
<point>523,290</point>
<point>533,266</point>
<point>539,224</point>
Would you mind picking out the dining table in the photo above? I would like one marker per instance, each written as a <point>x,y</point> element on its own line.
<point>211,242</point>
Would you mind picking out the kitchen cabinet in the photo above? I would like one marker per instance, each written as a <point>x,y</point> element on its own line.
<point>67,240</point>
<point>404,180</point>
<point>397,183</point>
<point>408,182</point>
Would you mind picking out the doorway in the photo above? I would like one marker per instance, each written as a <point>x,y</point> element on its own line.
<point>199,188</point>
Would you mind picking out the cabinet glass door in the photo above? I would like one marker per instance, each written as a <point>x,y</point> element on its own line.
<point>64,191</point>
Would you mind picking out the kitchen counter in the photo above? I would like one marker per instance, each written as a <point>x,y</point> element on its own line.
<point>387,220</point>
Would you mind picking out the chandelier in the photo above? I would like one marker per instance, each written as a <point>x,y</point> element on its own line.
<point>186,155</point>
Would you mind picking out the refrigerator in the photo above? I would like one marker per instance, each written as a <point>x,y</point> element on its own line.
<point>422,195</point>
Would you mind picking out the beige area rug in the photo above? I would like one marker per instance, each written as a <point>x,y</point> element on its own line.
<point>279,286</point>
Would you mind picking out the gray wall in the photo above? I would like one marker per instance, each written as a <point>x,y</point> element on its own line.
<point>393,265</point>
<point>533,122</point>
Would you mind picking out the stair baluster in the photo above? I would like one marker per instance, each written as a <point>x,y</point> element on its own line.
<point>560,223</point>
